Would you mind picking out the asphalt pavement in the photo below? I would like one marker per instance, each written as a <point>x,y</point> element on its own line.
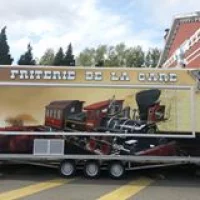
<point>34,182</point>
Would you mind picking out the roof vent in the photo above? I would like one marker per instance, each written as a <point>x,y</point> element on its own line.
<point>166,33</point>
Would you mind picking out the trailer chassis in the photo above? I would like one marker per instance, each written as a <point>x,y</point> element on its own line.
<point>91,164</point>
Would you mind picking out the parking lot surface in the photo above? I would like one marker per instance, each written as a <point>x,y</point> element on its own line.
<point>35,182</point>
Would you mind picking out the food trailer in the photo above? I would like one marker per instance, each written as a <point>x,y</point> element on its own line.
<point>99,118</point>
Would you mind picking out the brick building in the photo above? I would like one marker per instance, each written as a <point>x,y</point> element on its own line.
<point>182,43</point>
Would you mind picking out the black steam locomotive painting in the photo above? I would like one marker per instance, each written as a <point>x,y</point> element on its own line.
<point>109,116</point>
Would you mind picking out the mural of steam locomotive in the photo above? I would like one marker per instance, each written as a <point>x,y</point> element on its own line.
<point>109,116</point>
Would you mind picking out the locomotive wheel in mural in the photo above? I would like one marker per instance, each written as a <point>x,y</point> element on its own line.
<point>151,129</point>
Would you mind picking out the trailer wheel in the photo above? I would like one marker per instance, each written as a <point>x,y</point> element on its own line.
<point>92,169</point>
<point>116,170</point>
<point>68,168</point>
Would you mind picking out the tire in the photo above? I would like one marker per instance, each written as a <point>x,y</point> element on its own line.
<point>92,169</point>
<point>67,168</point>
<point>116,170</point>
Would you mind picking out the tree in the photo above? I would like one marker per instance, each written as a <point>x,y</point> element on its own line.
<point>93,57</point>
<point>120,50</point>
<point>5,57</point>
<point>112,60</point>
<point>113,56</point>
<point>27,57</point>
<point>87,57</point>
<point>48,57</point>
<point>69,57</point>
<point>100,54</point>
<point>152,57</point>
<point>135,57</point>
<point>59,58</point>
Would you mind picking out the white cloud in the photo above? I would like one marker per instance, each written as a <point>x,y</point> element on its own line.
<point>55,23</point>
<point>51,23</point>
<point>162,12</point>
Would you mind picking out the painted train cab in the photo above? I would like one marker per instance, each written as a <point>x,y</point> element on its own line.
<point>57,111</point>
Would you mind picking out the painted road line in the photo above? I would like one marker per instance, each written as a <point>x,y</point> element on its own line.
<point>33,189</point>
<point>128,190</point>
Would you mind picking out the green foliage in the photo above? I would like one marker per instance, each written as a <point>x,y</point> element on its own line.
<point>111,56</point>
<point>135,57</point>
<point>69,57</point>
<point>112,59</point>
<point>86,57</point>
<point>27,57</point>
<point>47,58</point>
<point>5,57</point>
<point>152,57</point>
<point>118,56</point>
<point>59,57</point>
<point>100,54</point>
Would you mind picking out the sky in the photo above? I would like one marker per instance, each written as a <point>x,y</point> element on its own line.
<point>88,23</point>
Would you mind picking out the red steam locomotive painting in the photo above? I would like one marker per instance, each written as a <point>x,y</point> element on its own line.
<point>109,116</point>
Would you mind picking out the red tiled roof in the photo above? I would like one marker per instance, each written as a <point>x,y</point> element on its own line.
<point>62,104</point>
